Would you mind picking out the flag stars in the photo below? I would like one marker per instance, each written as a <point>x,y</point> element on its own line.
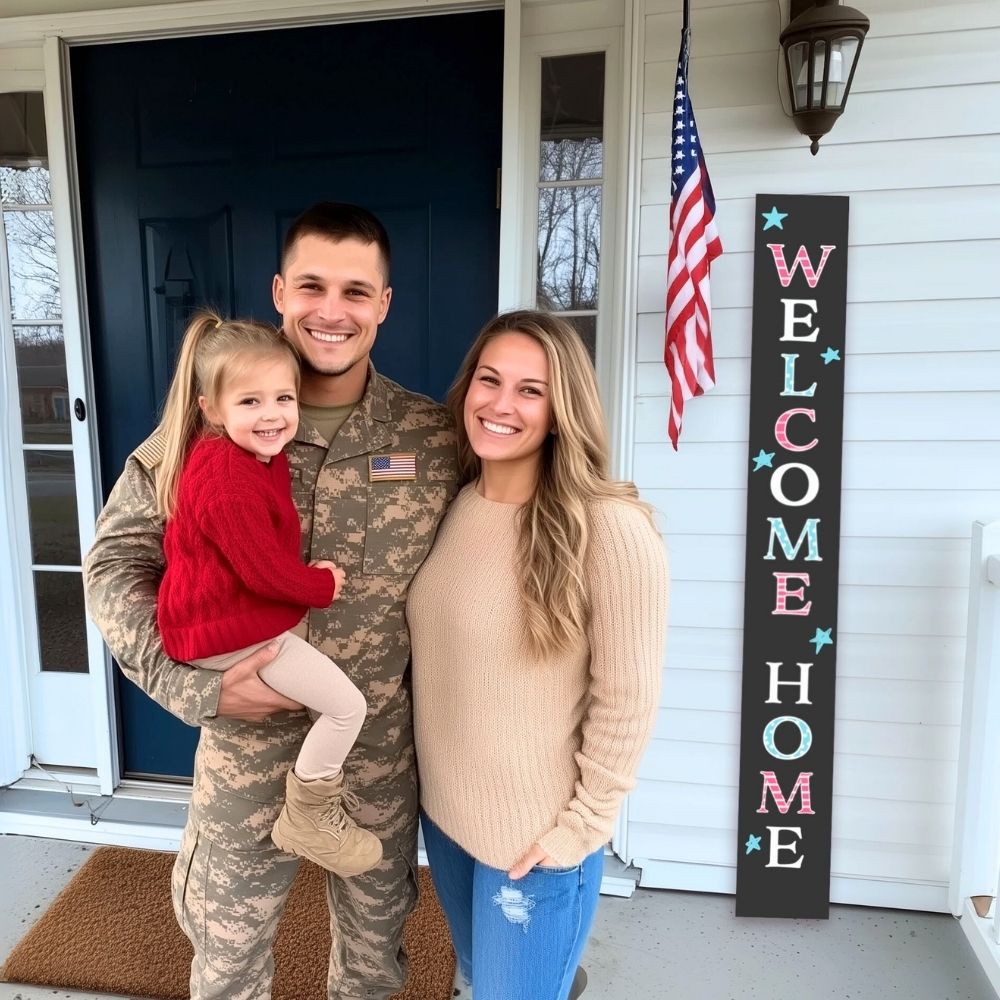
<point>763,460</point>
<point>752,844</point>
<point>822,638</point>
<point>678,170</point>
<point>772,219</point>
<point>830,354</point>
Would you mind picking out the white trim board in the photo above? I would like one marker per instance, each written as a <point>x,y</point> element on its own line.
<point>690,877</point>
<point>159,837</point>
<point>977,931</point>
<point>206,17</point>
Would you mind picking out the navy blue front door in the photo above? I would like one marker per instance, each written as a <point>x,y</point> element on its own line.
<point>195,154</point>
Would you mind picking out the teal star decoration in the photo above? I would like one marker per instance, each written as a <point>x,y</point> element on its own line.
<point>830,355</point>
<point>752,844</point>
<point>764,458</point>
<point>774,218</point>
<point>822,638</point>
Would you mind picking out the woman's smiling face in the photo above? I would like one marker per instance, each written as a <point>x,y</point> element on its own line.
<point>508,407</point>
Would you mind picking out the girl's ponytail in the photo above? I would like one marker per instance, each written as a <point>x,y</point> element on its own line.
<point>181,414</point>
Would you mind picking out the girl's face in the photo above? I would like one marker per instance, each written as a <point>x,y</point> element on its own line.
<point>508,407</point>
<point>259,408</point>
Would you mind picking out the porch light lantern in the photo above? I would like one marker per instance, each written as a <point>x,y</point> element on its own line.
<point>821,45</point>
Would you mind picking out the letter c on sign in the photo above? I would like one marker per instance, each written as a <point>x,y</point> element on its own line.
<point>781,430</point>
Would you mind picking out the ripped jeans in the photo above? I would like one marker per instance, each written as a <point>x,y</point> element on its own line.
<point>514,940</point>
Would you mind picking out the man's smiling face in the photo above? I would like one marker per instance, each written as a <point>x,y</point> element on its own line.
<point>332,296</point>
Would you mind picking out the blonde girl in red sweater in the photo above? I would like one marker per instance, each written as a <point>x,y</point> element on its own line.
<point>234,578</point>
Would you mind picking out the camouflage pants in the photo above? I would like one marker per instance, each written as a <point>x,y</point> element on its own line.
<point>230,882</point>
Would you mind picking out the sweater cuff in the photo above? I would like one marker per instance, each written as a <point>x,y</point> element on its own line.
<point>566,847</point>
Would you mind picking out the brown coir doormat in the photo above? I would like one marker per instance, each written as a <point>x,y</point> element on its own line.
<point>112,930</point>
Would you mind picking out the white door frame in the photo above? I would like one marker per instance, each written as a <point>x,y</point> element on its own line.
<point>56,34</point>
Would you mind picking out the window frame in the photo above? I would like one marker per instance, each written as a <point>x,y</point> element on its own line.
<point>65,715</point>
<point>610,307</point>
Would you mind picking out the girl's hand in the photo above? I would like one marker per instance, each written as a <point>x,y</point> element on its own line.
<point>535,856</point>
<point>339,576</point>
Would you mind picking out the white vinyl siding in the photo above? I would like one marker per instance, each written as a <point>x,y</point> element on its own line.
<point>918,152</point>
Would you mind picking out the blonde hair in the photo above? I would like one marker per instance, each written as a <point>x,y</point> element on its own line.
<point>554,525</point>
<point>213,352</point>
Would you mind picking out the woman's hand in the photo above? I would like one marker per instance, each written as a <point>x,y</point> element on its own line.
<point>535,856</point>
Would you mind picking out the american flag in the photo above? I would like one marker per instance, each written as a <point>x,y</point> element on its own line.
<point>400,465</point>
<point>694,244</point>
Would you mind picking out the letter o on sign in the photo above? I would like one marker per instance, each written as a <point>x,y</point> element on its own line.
<point>805,737</point>
<point>778,490</point>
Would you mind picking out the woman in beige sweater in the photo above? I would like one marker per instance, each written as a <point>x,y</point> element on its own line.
<point>537,627</point>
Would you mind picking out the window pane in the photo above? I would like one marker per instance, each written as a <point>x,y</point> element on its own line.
<point>569,160</point>
<point>572,117</point>
<point>842,54</point>
<point>569,247</point>
<point>22,128</point>
<point>62,632</point>
<point>34,277</point>
<point>25,186</point>
<point>586,326</point>
<point>41,376</point>
<point>55,537</point>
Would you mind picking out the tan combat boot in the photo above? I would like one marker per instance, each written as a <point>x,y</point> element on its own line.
<point>313,825</point>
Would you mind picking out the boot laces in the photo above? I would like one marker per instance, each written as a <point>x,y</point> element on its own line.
<point>335,814</point>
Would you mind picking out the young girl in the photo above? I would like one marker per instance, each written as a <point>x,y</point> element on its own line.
<point>234,578</point>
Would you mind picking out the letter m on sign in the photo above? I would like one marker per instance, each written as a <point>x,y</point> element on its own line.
<point>801,784</point>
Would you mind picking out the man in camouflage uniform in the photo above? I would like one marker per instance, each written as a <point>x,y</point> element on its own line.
<point>370,498</point>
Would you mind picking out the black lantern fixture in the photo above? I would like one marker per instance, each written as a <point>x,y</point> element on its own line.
<point>821,46</point>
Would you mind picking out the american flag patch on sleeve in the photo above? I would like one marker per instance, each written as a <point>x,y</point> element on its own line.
<point>401,465</point>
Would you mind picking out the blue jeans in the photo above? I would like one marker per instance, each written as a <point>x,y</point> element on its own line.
<point>514,940</point>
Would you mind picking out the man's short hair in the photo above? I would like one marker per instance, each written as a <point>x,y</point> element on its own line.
<point>336,221</point>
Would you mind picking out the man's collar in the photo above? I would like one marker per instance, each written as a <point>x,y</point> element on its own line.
<point>373,405</point>
<point>375,401</point>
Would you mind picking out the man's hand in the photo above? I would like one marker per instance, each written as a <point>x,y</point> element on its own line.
<point>245,696</point>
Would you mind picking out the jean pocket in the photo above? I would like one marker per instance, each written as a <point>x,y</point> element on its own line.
<point>553,870</point>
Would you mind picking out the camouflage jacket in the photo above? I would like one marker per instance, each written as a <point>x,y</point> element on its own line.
<point>378,529</point>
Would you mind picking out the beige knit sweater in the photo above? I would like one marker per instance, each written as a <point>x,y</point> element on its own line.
<point>512,752</point>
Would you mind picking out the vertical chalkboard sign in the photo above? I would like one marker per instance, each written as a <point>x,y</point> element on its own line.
<point>792,555</point>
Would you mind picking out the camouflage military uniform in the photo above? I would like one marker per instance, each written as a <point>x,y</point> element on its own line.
<point>230,882</point>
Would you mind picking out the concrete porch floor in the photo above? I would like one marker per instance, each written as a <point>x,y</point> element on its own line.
<point>658,944</point>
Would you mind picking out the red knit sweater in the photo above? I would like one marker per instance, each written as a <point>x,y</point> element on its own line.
<point>234,572</point>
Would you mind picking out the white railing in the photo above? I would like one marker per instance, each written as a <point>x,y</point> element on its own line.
<point>975,872</point>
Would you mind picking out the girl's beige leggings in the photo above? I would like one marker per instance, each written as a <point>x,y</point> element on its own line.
<point>305,675</point>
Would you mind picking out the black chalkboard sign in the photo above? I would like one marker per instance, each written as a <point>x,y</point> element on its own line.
<point>792,556</point>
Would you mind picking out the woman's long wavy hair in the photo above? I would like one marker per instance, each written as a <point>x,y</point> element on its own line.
<point>213,351</point>
<point>554,525</point>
